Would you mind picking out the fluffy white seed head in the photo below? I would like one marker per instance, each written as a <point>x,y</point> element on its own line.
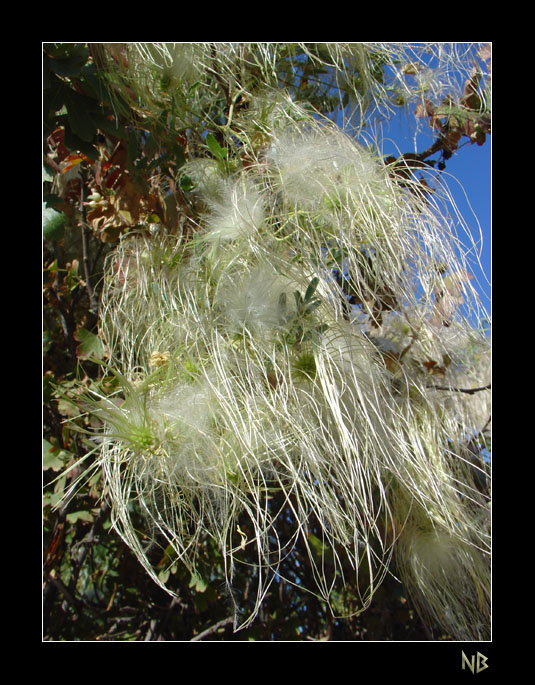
<point>448,580</point>
<point>236,214</point>
<point>253,299</point>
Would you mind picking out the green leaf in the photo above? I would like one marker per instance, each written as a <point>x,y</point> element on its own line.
<point>179,155</point>
<point>109,126</point>
<point>312,306</point>
<point>47,175</point>
<point>133,151</point>
<point>53,224</point>
<point>78,115</point>
<point>69,67</point>
<point>311,288</point>
<point>90,345</point>
<point>215,148</point>
<point>320,549</point>
<point>66,59</point>
<point>51,199</point>
<point>51,499</point>
<point>53,457</point>
<point>80,516</point>
<point>93,86</point>
<point>163,575</point>
<point>197,583</point>
<point>73,142</point>
<point>316,544</point>
<point>54,95</point>
<point>48,378</point>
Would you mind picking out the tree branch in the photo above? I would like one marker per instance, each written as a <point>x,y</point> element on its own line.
<point>415,159</point>
<point>468,391</point>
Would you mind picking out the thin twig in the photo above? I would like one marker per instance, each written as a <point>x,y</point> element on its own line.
<point>93,303</point>
<point>212,629</point>
<point>468,391</point>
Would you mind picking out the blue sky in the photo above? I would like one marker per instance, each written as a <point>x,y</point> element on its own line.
<point>471,166</point>
<point>468,176</point>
